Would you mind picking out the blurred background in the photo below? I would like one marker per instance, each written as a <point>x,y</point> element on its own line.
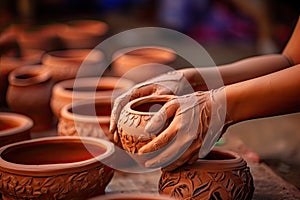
<point>228,29</point>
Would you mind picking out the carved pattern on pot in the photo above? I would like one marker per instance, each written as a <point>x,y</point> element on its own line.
<point>57,187</point>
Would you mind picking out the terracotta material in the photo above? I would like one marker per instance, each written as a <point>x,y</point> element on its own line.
<point>83,34</point>
<point>11,61</point>
<point>141,63</point>
<point>55,168</point>
<point>14,128</point>
<point>65,64</point>
<point>86,118</point>
<point>132,196</point>
<point>220,175</point>
<point>134,118</point>
<point>68,91</point>
<point>29,93</point>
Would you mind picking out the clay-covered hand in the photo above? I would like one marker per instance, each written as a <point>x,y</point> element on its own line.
<point>198,121</point>
<point>170,83</point>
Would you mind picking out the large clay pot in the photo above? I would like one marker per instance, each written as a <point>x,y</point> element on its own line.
<point>132,196</point>
<point>29,93</point>
<point>68,91</point>
<point>133,119</point>
<point>86,118</point>
<point>142,63</point>
<point>55,168</point>
<point>11,61</point>
<point>220,175</point>
<point>83,34</point>
<point>65,64</point>
<point>14,128</point>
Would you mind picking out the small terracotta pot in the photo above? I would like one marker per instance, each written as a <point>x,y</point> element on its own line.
<point>11,61</point>
<point>86,118</point>
<point>133,119</point>
<point>14,128</point>
<point>132,196</point>
<point>55,168</point>
<point>29,93</point>
<point>68,91</point>
<point>65,64</point>
<point>220,175</point>
<point>83,34</point>
<point>142,63</point>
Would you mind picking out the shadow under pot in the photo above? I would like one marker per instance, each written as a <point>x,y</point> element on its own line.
<point>220,175</point>
<point>68,64</point>
<point>86,118</point>
<point>14,128</point>
<point>69,91</point>
<point>29,93</point>
<point>132,196</point>
<point>55,168</point>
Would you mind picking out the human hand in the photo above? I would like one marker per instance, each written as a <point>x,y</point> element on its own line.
<point>170,83</point>
<point>198,122</point>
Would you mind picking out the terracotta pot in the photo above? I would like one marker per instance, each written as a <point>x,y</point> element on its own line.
<point>55,168</point>
<point>11,61</point>
<point>68,91</point>
<point>86,118</point>
<point>220,175</point>
<point>14,128</point>
<point>142,63</point>
<point>132,196</point>
<point>29,93</point>
<point>83,34</point>
<point>133,119</point>
<point>65,64</point>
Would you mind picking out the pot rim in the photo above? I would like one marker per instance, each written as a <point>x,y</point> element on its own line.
<point>65,113</point>
<point>25,124</point>
<point>60,88</point>
<point>38,72</point>
<point>55,169</point>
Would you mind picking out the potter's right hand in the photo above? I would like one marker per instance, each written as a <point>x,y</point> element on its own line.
<point>170,83</point>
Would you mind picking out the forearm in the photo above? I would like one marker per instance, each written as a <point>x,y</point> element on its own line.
<point>274,94</point>
<point>235,72</point>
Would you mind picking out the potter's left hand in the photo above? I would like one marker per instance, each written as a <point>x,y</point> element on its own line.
<point>198,122</point>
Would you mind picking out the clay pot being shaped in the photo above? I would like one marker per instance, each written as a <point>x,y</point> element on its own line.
<point>65,64</point>
<point>132,196</point>
<point>11,61</point>
<point>132,121</point>
<point>83,34</point>
<point>86,118</point>
<point>29,93</point>
<point>142,63</point>
<point>55,168</point>
<point>220,175</point>
<point>68,91</point>
<point>14,128</point>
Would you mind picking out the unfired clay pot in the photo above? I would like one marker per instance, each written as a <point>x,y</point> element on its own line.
<point>86,118</point>
<point>55,168</point>
<point>11,61</point>
<point>29,93</point>
<point>83,34</point>
<point>65,64</point>
<point>142,63</point>
<point>220,175</point>
<point>132,196</point>
<point>133,119</point>
<point>14,128</point>
<point>68,91</point>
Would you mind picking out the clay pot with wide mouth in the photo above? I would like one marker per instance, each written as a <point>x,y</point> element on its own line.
<point>86,118</point>
<point>143,62</point>
<point>132,196</point>
<point>55,168</point>
<point>68,64</point>
<point>220,175</point>
<point>14,128</point>
<point>132,121</point>
<point>13,60</point>
<point>29,93</point>
<point>69,91</point>
<point>83,34</point>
